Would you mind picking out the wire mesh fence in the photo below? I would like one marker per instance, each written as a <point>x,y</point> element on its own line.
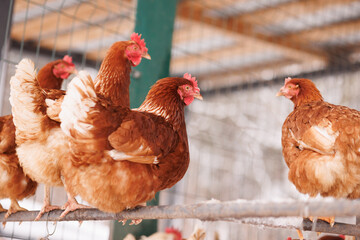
<point>240,51</point>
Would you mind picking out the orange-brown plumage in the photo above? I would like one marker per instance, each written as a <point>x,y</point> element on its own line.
<point>113,80</point>
<point>41,142</point>
<point>15,184</point>
<point>121,157</point>
<point>320,143</point>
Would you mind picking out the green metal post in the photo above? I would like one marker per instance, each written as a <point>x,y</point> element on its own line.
<point>155,21</point>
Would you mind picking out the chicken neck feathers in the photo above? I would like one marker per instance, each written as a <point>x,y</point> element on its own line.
<point>113,79</point>
<point>46,77</point>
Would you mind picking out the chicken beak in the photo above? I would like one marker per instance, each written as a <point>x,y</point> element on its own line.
<point>280,93</point>
<point>147,56</point>
<point>198,96</point>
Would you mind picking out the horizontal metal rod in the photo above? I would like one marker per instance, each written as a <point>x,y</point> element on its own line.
<point>211,210</point>
<point>221,211</point>
<point>338,228</point>
<point>304,225</point>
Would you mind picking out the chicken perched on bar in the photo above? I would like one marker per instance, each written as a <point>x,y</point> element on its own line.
<point>41,142</point>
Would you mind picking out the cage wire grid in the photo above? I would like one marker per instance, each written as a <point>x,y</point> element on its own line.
<point>240,51</point>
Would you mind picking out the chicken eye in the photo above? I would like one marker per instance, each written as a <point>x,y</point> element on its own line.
<point>187,88</point>
<point>289,86</point>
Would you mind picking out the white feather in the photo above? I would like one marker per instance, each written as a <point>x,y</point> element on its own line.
<point>24,97</point>
<point>79,100</point>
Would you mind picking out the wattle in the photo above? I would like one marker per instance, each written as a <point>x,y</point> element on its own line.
<point>188,100</point>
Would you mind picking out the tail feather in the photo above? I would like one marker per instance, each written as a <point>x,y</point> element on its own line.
<point>80,99</point>
<point>27,101</point>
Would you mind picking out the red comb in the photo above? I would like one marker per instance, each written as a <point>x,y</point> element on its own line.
<point>67,59</point>
<point>141,42</point>
<point>287,79</point>
<point>193,79</point>
<point>174,231</point>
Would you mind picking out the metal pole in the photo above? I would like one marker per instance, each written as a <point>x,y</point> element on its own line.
<point>358,226</point>
<point>6,12</point>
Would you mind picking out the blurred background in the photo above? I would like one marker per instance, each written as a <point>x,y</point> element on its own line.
<point>239,50</point>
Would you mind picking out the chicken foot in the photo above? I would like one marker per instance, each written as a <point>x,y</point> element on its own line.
<point>14,207</point>
<point>330,220</point>
<point>134,221</point>
<point>2,209</point>
<point>46,206</point>
<point>71,205</point>
<point>299,232</point>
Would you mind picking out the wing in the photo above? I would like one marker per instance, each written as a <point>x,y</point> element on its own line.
<point>319,138</point>
<point>87,119</point>
<point>142,138</point>
<point>324,128</point>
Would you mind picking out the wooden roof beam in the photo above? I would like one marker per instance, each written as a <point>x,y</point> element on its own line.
<point>274,69</point>
<point>90,33</point>
<point>77,15</point>
<point>325,33</point>
<point>282,11</point>
<point>216,54</point>
<point>247,70</point>
<point>195,12</point>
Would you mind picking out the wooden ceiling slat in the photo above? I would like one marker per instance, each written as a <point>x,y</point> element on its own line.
<point>72,16</point>
<point>283,67</point>
<point>21,5</point>
<point>326,33</point>
<point>49,22</point>
<point>195,12</point>
<point>218,54</point>
<point>86,34</point>
<point>248,70</point>
<point>215,4</point>
<point>281,12</point>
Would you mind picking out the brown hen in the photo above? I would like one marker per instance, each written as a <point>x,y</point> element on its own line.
<point>14,184</point>
<point>320,143</point>
<point>41,142</point>
<point>120,157</point>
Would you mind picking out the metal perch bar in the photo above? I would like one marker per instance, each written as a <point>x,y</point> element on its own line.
<point>220,211</point>
<point>209,211</point>
<point>338,228</point>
